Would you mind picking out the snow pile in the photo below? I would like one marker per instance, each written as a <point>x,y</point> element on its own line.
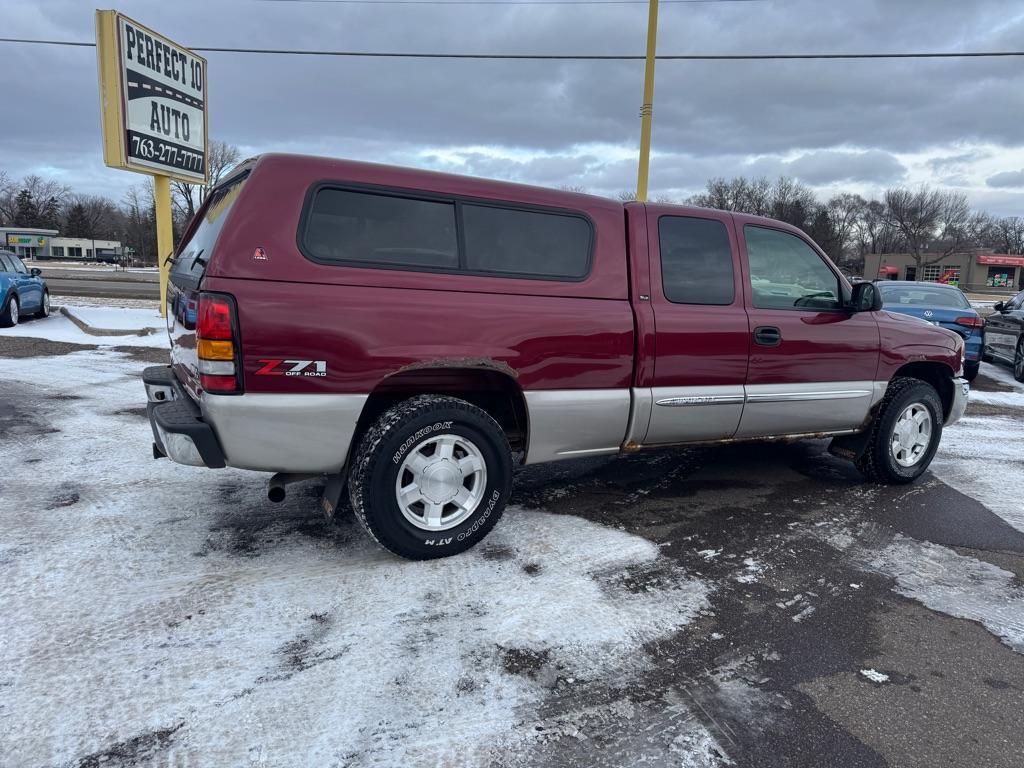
<point>56,327</point>
<point>160,613</point>
<point>119,318</point>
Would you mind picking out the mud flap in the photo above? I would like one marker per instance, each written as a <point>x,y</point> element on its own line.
<point>333,489</point>
<point>850,447</point>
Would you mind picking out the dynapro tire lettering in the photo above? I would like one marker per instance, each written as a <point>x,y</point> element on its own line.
<point>483,518</point>
<point>419,434</point>
<point>292,368</point>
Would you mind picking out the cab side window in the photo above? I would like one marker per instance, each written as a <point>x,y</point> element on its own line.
<point>18,265</point>
<point>696,261</point>
<point>786,273</point>
<point>5,265</point>
<point>1016,302</point>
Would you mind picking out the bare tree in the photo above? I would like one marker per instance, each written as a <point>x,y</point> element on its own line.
<point>1008,235</point>
<point>922,215</point>
<point>188,198</point>
<point>737,194</point>
<point>845,211</point>
<point>48,194</point>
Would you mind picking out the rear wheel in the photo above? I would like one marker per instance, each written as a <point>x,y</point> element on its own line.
<point>971,370</point>
<point>431,477</point>
<point>44,308</point>
<point>904,434</point>
<point>9,315</point>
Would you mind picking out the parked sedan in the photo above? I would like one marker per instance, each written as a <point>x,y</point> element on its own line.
<point>942,305</point>
<point>1004,337</point>
<point>23,292</point>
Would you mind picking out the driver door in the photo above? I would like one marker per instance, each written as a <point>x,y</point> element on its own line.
<point>812,362</point>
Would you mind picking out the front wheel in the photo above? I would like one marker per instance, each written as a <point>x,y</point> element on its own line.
<point>9,315</point>
<point>905,433</point>
<point>431,477</point>
<point>1018,361</point>
<point>44,308</point>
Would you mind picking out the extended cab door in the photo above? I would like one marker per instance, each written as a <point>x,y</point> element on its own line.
<point>812,362</point>
<point>702,337</point>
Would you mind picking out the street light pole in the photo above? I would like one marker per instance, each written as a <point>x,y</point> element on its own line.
<point>647,109</point>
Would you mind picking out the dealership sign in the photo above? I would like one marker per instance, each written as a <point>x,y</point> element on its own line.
<point>153,99</point>
<point>1003,261</point>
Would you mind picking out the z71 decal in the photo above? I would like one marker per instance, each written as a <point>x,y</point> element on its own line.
<point>292,368</point>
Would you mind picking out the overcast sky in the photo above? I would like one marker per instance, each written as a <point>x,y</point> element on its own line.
<point>836,125</point>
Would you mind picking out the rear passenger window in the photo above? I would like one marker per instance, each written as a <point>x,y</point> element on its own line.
<point>528,243</point>
<point>380,230</point>
<point>696,261</point>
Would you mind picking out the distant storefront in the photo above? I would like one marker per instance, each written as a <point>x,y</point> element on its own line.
<point>86,249</point>
<point>971,271</point>
<point>27,242</point>
<point>41,244</point>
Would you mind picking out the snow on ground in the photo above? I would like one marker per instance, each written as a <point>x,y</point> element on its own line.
<point>982,456</point>
<point>118,318</point>
<point>938,577</point>
<point>94,301</point>
<point>56,327</point>
<point>956,585</point>
<point>190,622</point>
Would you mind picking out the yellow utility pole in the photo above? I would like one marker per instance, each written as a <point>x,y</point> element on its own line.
<point>647,109</point>
<point>164,233</point>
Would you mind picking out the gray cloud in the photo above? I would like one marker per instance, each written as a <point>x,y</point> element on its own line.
<point>824,167</point>
<point>1006,179</point>
<point>711,118</point>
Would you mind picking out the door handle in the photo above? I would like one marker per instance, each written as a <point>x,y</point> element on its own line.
<point>767,336</point>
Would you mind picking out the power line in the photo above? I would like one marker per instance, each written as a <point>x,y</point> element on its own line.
<point>566,57</point>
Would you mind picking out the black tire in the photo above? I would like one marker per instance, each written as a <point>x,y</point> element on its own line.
<point>44,309</point>
<point>380,457</point>
<point>971,370</point>
<point>9,314</point>
<point>877,462</point>
<point>1018,361</point>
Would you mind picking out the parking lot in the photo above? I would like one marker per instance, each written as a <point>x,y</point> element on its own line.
<point>755,605</point>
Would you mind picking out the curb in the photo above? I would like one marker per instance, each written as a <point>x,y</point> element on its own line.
<point>86,328</point>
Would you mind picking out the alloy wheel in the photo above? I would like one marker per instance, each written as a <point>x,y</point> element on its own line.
<point>441,482</point>
<point>911,435</point>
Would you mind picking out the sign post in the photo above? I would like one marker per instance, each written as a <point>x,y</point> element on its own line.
<point>153,107</point>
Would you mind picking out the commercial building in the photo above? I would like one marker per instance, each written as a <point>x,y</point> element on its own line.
<point>971,270</point>
<point>40,244</point>
<point>27,242</point>
<point>85,248</point>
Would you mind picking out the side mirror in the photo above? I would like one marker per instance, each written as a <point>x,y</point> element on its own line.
<point>998,306</point>
<point>865,298</point>
<point>35,272</point>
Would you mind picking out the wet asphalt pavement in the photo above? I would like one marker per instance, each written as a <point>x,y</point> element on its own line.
<point>812,578</point>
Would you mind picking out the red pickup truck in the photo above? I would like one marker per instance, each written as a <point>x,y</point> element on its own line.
<point>417,335</point>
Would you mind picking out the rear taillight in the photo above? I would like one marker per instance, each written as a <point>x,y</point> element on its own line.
<point>217,345</point>
<point>970,321</point>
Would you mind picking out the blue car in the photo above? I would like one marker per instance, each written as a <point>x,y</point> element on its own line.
<point>23,293</point>
<point>943,305</point>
